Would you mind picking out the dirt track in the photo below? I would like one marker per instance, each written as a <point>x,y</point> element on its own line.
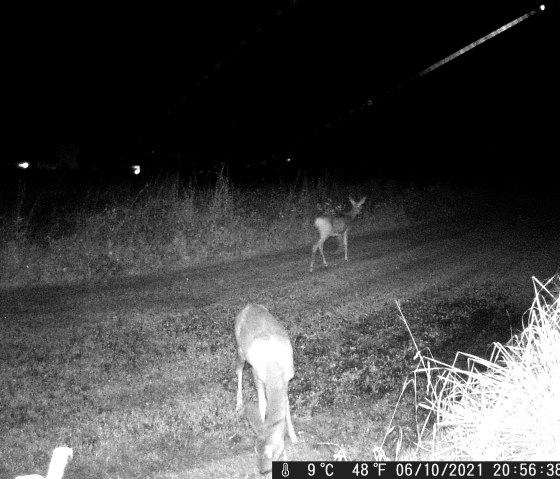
<point>511,245</point>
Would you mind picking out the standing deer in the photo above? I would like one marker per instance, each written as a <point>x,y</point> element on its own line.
<point>335,225</point>
<point>264,343</point>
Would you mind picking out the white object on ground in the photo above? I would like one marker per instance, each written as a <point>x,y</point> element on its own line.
<point>60,457</point>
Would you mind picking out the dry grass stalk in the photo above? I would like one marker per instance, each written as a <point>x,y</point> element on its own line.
<point>504,408</point>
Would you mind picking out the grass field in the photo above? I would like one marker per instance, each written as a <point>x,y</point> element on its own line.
<point>136,374</point>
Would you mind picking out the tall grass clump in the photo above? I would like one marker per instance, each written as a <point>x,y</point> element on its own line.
<point>505,408</point>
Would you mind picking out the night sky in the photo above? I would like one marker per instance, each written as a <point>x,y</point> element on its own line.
<point>248,82</point>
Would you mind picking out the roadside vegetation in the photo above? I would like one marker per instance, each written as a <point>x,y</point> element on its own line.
<point>501,408</point>
<point>79,233</point>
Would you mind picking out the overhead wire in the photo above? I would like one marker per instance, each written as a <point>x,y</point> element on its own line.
<point>373,100</point>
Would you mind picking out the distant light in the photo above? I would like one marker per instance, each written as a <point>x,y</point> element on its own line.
<point>23,165</point>
<point>542,7</point>
<point>288,160</point>
<point>135,169</point>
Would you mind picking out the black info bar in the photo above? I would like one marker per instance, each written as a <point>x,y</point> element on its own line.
<point>414,469</point>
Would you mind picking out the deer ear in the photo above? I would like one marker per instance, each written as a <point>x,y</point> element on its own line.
<point>363,200</point>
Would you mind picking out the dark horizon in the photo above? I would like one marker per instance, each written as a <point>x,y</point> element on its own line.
<point>257,84</point>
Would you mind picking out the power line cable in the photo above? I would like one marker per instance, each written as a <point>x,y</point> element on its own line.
<point>371,101</point>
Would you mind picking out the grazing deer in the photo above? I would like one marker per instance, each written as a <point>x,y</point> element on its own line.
<point>264,343</point>
<point>335,225</point>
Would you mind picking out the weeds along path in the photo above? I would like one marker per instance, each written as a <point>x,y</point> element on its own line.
<point>137,375</point>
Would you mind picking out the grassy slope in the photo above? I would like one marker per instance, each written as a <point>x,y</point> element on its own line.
<point>97,233</point>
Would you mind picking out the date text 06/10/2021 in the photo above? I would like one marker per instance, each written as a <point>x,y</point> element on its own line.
<point>417,470</point>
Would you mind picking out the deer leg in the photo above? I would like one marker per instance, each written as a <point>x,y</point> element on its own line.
<point>322,252</point>
<point>262,399</point>
<point>239,368</point>
<point>313,251</point>
<point>291,431</point>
